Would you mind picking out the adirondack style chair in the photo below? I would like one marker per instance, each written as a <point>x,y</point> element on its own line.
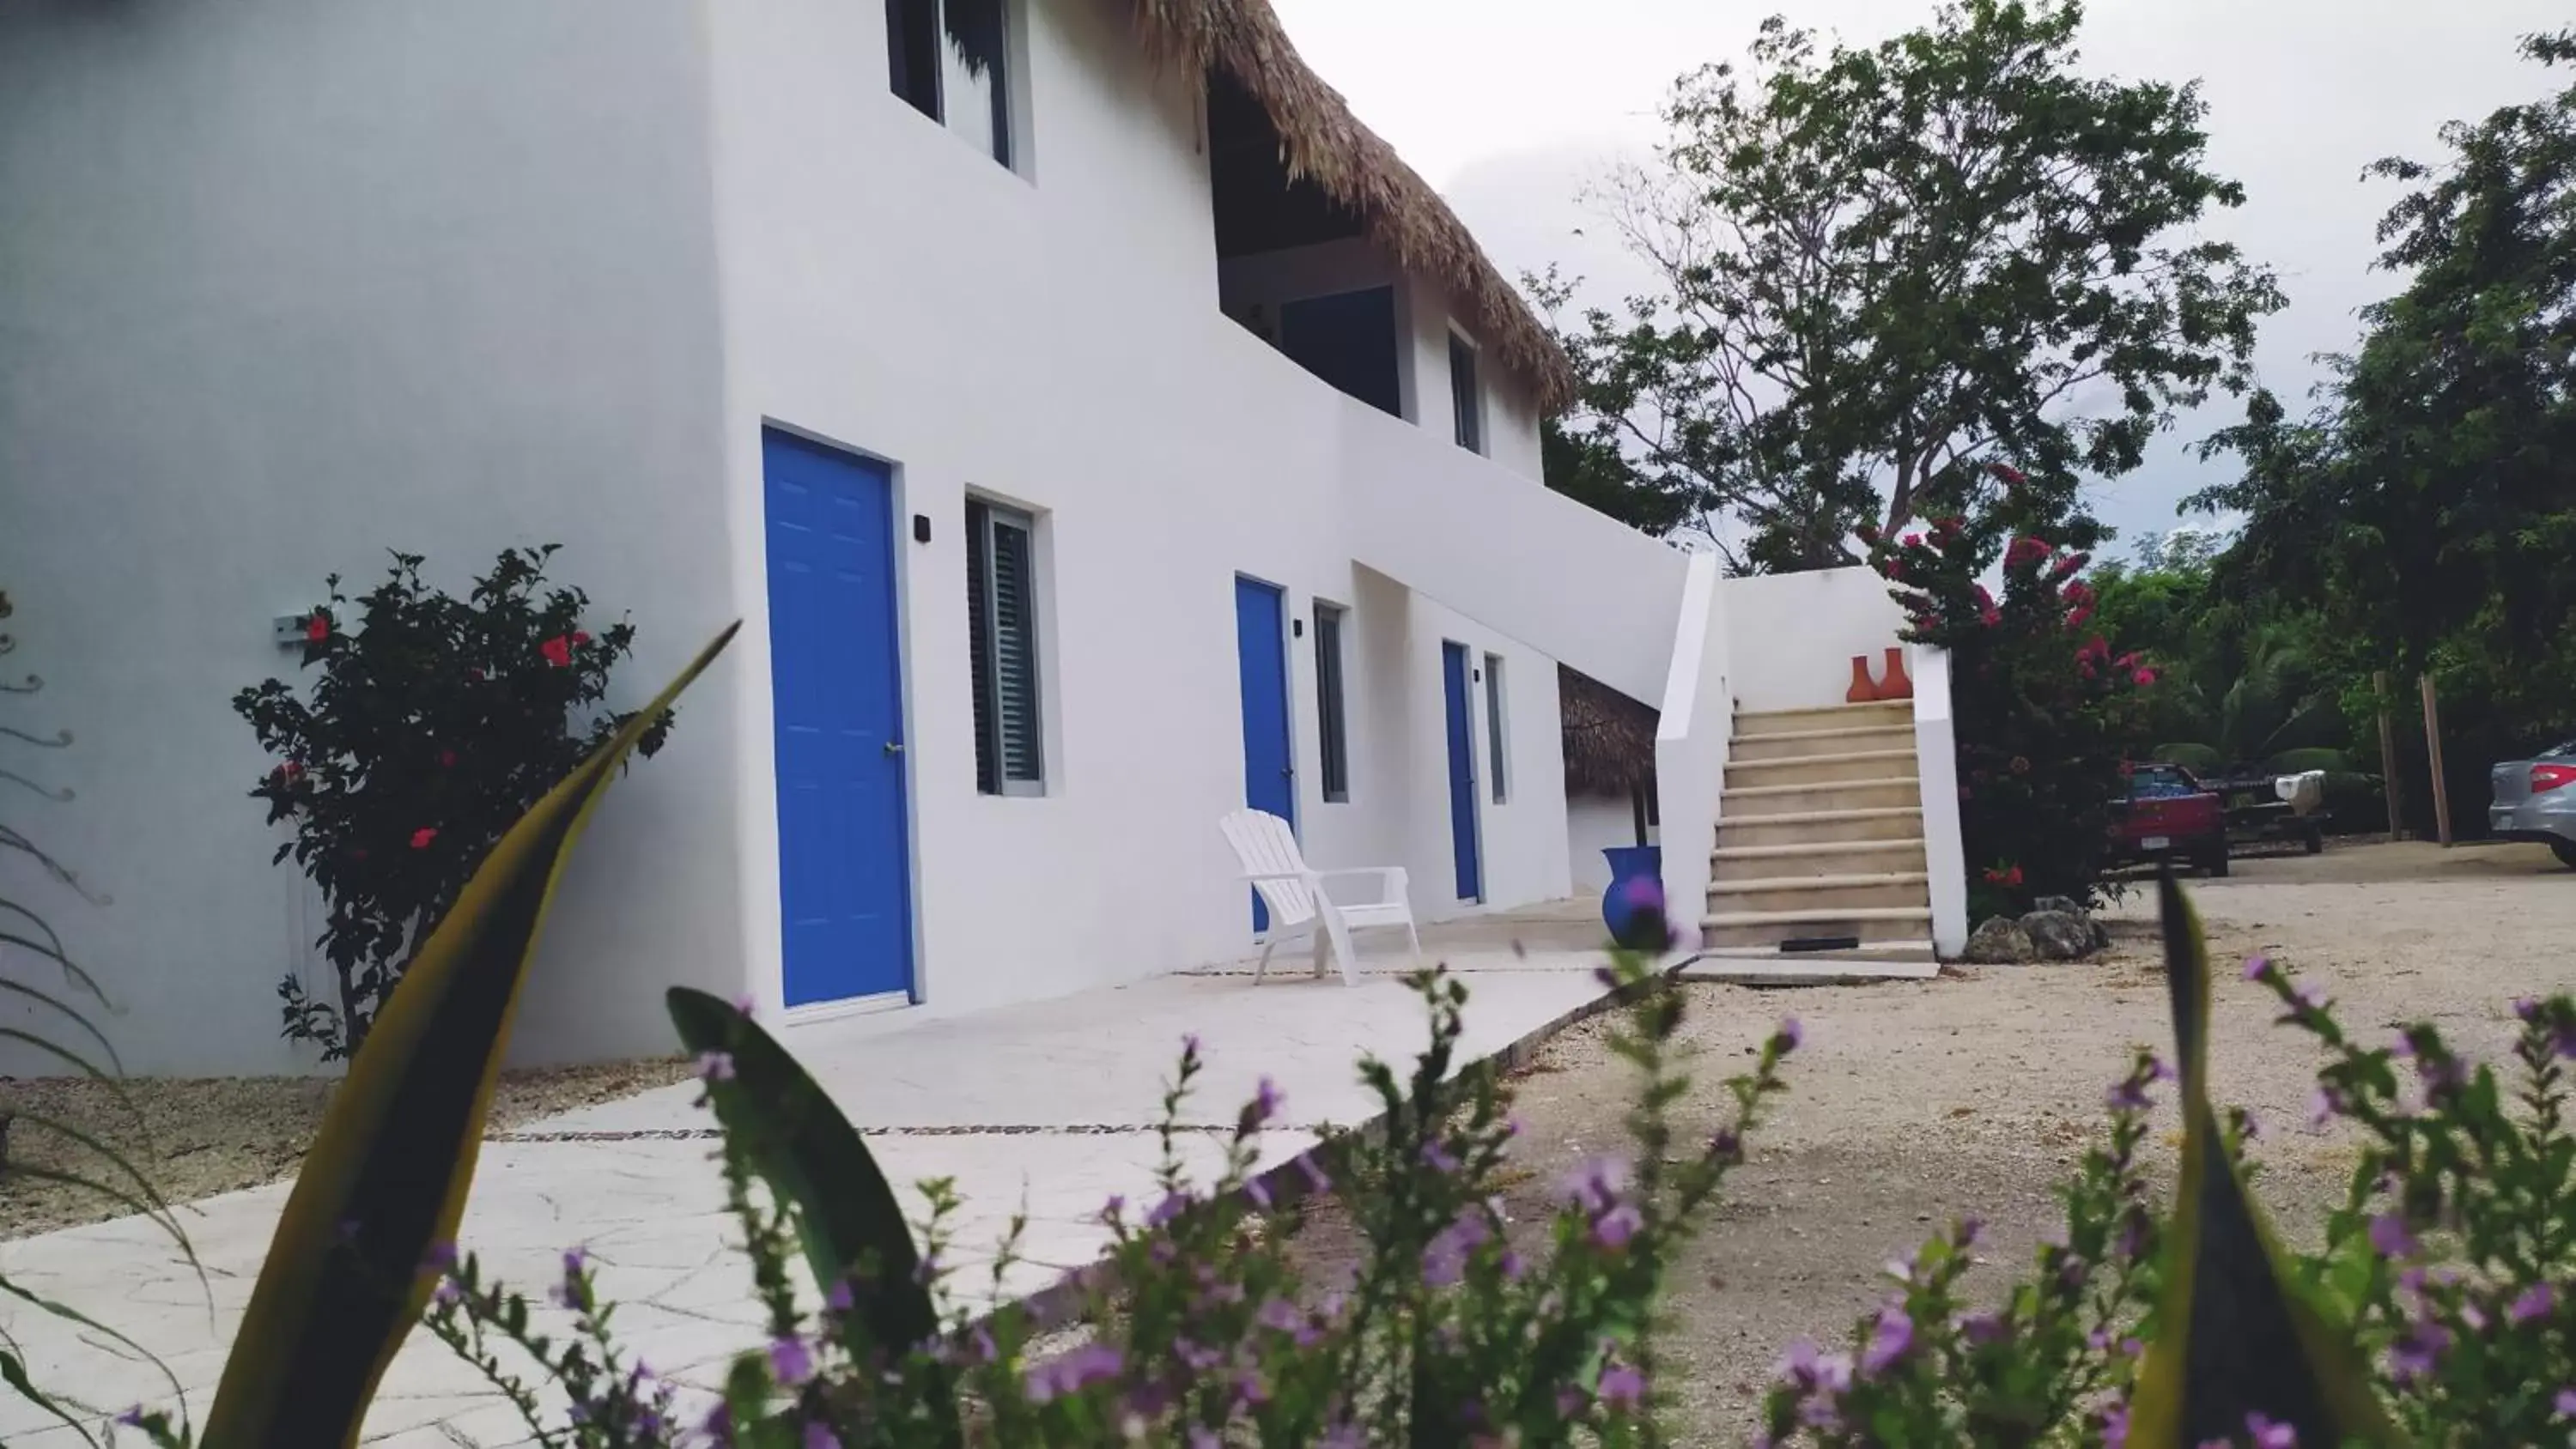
<point>1294,892</point>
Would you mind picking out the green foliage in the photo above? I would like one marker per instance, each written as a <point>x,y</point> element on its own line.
<point>2044,710</point>
<point>2424,505</point>
<point>2199,759</point>
<point>431,728</point>
<point>1457,1329</point>
<point>1882,266</point>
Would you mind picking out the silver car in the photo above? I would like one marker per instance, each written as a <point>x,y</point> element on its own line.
<point>2535,800</point>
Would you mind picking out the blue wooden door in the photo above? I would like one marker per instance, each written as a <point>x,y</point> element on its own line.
<point>1462,773</point>
<point>836,686</point>
<point>1269,767</point>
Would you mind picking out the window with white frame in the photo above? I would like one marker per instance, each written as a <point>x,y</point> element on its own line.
<point>1002,642</point>
<point>951,60</point>
<point>1466,394</point>
<point>1332,732</point>
<point>1497,736</point>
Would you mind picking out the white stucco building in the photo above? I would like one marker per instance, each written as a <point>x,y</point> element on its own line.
<point>1093,425</point>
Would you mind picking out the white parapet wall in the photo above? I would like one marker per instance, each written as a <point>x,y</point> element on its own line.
<point>1691,743</point>
<point>1936,751</point>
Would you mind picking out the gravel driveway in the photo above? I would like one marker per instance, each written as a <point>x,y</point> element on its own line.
<point>1974,1094</point>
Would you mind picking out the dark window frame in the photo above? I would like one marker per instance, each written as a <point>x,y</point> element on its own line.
<point>1332,704</point>
<point>1467,392</point>
<point>922,42</point>
<point>1007,762</point>
<point>1497,732</point>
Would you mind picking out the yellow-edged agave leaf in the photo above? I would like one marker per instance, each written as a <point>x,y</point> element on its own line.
<point>2235,1335</point>
<point>387,1175</point>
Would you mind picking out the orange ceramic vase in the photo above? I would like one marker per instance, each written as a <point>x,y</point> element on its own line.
<point>1896,685</point>
<point>1862,690</point>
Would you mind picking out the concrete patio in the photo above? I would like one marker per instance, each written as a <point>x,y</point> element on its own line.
<point>1045,1108</point>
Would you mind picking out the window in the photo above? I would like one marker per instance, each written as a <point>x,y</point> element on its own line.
<point>1348,340</point>
<point>950,59</point>
<point>1498,757</point>
<point>1331,730</point>
<point>1464,395</point>
<point>1002,640</point>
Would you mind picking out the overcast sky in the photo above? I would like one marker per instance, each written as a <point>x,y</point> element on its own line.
<point>1511,107</point>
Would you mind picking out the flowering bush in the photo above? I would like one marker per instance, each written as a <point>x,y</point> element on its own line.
<point>2043,710</point>
<point>2453,1260</point>
<point>433,724</point>
<point>1203,1331</point>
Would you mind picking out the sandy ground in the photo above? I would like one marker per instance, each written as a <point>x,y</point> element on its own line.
<point>1914,1103</point>
<point>194,1138</point>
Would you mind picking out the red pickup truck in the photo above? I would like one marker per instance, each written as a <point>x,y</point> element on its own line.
<point>2169,816</point>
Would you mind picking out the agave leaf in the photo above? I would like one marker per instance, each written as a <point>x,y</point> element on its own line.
<point>388,1172</point>
<point>848,1220</point>
<point>2235,1333</point>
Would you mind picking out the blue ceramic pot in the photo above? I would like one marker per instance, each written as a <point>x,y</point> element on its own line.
<point>1626,863</point>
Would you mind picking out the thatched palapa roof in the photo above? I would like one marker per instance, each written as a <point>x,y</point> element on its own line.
<point>1321,141</point>
<point>1609,738</point>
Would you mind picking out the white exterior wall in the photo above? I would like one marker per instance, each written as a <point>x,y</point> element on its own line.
<point>1794,635</point>
<point>1054,339</point>
<point>290,286</point>
<point>282,286</point>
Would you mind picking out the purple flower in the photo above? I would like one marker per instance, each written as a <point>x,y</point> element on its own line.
<point>1265,1103</point>
<point>1169,1208</point>
<point>745,1005</point>
<point>132,1418</point>
<point>1203,1437</point>
<point>1596,1184</point>
<point>2257,967</point>
<point>2324,1107</point>
<point>2536,1302</point>
<point>1807,1369</point>
<point>715,1066</point>
<point>1889,1340</point>
<point>2390,1239</point>
<point>1968,1232</point>
<point>1439,1158</point>
<point>2309,996</point>
<point>1073,1372</point>
<point>1790,1035</point>
<point>1726,1147</point>
<point>2158,1071</point>
<point>818,1436</point>
<point>840,1299</point>
<point>446,1294</point>
<point>1190,1045</point>
<point>1257,1193</point>
<point>791,1361</point>
<point>2527,1008</point>
<point>2115,1426</point>
<point>440,1258</point>
<point>2268,1434</point>
<point>1614,1228</point>
<point>2565,1403</point>
<point>1313,1172</point>
<point>1279,1315</point>
<point>2419,1350</point>
<point>1983,1329</point>
<point>2126,1095</point>
<point>1114,1209</point>
<point>1623,1388</point>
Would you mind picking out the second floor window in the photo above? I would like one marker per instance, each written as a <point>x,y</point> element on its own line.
<point>1465,395</point>
<point>951,60</point>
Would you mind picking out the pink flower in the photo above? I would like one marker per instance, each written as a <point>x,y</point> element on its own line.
<point>447,758</point>
<point>579,638</point>
<point>2026,550</point>
<point>2078,616</point>
<point>2143,677</point>
<point>421,838</point>
<point>2011,476</point>
<point>318,628</point>
<point>558,651</point>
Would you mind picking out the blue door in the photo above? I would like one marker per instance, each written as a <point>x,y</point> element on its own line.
<point>1462,772</point>
<point>836,687</point>
<point>1261,647</point>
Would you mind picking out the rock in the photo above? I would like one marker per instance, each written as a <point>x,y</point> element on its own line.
<point>2058,936</point>
<point>2000,942</point>
<point>2059,905</point>
<point>2101,935</point>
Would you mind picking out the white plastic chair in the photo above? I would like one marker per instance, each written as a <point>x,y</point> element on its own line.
<point>1294,892</point>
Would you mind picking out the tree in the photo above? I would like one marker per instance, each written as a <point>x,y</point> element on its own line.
<point>1887,266</point>
<point>2429,503</point>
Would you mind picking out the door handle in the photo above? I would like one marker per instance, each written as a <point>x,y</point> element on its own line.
<point>894,747</point>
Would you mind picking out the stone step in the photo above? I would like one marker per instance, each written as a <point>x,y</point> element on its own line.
<point>1755,724</point>
<point>1834,857</point>
<point>1870,925</point>
<point>1821,892</point>
<point>1822,827</point>
<point>1819,769</point>
<point>1753,801</point>
<point>1823,742</point>
<point>1746,966</point>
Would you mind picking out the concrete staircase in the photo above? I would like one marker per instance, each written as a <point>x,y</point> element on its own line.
<point>1820,835</point>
